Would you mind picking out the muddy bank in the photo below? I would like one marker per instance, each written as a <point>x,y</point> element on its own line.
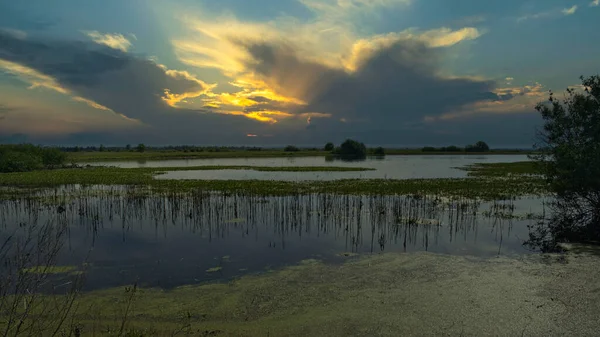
<point>418,294</point>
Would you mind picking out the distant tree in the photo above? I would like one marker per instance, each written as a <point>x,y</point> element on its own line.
<point>451,148</point>
<point>569,156</point>
<point>140,148</point>
<point>102,149</point>
<point>329,147</point>
<point>291,148</point>
<point>128,147</point>
<point>352,149</point>
<point>429,149</point>
<point>379,151</point>
<point>481,146</point>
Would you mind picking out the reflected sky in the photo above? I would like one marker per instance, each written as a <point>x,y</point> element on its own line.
<point>171,240</point>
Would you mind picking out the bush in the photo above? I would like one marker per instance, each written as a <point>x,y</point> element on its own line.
<point>291,148</point>
<point>480,146</point>
<point>569,156</point>
<point>26,157</point>
<point>379,151</point>
<point>140,148</point>
<point>329,147</point>
<point>352,149</point>
<point>451,148</point>
<point>429,149</point>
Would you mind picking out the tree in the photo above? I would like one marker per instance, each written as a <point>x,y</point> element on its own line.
<point>329,147</point>
<point>140,148</point>
<point>128,147</point>
<point>101,148</point>
<point>291,148</point>
<point>569,156</point>
<point>379,151</point>
<point>352,149</point>
<point>480,146</point>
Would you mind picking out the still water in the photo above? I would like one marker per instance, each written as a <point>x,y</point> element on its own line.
<point>157,240</point>
<point>389,167</point>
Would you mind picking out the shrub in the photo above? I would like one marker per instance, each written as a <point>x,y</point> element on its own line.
<point>379,151</point>
<point>291,148</point>
<point>353,149</point>
<point>27,157</point>
<point>329,147</point>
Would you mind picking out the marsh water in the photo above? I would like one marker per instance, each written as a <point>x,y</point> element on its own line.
<point>126,235</point>
<point>388,167</point>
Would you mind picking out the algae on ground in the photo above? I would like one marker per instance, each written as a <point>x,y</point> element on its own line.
<point>214,269</point>
<point>415,294</point>
<point>48,270</point>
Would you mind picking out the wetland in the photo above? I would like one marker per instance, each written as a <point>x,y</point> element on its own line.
<point>124,248</point>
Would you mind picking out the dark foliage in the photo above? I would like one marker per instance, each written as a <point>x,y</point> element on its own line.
<point>351,149</point>
<point>26,157</point>
<point>569,157</point>
<point>291,148</point>
<point>480,146</point>
<point>379,151</point>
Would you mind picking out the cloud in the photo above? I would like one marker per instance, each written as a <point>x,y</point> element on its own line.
<point>395,83</point>
<point>570,11</point>
<point>115,41</point>
<point>540,15</point>
<point>135,88</point>
<point>321,65</point>
<point>511,100</point>
<point>595,3</point>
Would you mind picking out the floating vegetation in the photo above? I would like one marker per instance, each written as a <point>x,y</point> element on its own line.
<point>50,270</point>
<point>214,269</point>
<point>347,254</point>
<point>516,169</point>
<point>484,188</point>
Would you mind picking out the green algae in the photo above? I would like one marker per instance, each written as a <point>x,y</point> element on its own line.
<point>214,269</point>
<point>416,294</point>
<point>51,270</point>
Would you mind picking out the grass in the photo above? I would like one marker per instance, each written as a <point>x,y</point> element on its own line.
<point>272,168</point>
<point>164,155</point>
<point>50,270</point>
<point>516,169</point>
<point>482,187</point>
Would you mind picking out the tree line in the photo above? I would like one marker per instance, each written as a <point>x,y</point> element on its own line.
<point>480,146</point>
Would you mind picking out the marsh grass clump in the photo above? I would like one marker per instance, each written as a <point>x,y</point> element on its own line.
<point>504,170</point>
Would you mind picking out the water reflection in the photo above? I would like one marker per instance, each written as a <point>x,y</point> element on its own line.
<point>173,239</point>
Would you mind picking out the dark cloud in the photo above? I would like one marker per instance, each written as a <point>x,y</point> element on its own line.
<point>126,84</point>
<point>393,85</point>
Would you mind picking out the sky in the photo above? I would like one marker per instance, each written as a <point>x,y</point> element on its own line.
<point>276,72</point>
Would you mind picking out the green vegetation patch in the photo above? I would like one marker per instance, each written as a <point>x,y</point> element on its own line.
<point>518,169</point>
<point>488,188</point>
<point>165,155</point>
<point>214,269</point>
<point>50,270</point>
<point>274,168</point>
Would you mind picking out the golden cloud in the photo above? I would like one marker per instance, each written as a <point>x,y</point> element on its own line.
<point>114,41</point>
<point>39,80</point>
